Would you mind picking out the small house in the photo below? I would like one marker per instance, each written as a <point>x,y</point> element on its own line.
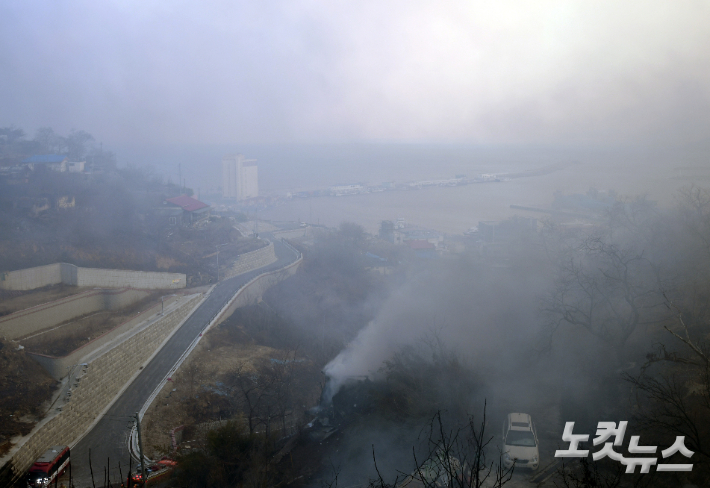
<point>185,209</point>
<point>55,162</point>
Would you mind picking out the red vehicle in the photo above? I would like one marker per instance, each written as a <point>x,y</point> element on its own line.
<point>154,471</point>
<point>49,466</point>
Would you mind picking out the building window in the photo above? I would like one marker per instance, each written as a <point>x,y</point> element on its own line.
<point>173,220</point>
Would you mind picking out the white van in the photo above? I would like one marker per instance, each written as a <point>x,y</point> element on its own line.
<point>520,444</point>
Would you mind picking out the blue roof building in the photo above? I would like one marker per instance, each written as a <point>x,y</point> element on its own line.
<point>55,162</point>
<point>45,158</point>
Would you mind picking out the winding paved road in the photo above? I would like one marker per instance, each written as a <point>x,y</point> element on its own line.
<point>108,438</point>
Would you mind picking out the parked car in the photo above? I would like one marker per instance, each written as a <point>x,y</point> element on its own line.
<point>520,445</point>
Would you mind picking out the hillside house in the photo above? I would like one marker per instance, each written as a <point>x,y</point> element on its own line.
<point>184,210</point>
<point>76,166</point>
<point>55,162</point>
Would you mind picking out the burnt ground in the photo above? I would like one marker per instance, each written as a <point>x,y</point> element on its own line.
<point>25,389</point>
<point>320,455</point>
<point>64,338</point>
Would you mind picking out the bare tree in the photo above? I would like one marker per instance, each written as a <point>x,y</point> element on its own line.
<point>266,392</point>
<point>606,289</point>
<point>49,141</point>
<point>76,143</point>
<point>676,399</point>
<point>454,458</point>
<point>694,210</point>
<point>192,371</point>
<point>283,386</point>
<point>251,392</point>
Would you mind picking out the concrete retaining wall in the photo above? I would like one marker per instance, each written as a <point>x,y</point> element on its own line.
<point>30,278</point>
<point>118,278</point>
<point>59,367</point>
<point>34,319</point>
<point>255,289</point>
<point>104,379</point>
<point>252,260</point>
<point>52,274</point>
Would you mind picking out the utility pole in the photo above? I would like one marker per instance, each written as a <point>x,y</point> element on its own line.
<point>140,448</point>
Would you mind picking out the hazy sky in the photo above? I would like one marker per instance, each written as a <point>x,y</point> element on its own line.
<point>320,71</point>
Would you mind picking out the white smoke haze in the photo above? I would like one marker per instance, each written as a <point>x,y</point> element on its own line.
<point>316,71</point>
<point>488,318</point>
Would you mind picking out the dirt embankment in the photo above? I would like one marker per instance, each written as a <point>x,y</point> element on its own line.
<point>25,390</point>
<point>12,301</point>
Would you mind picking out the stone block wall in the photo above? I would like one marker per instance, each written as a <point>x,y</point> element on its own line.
<point>252,260</point>
<point>104,379</point>
<point>34,319</point>
<point>59,367</point>
<point>52,274</point>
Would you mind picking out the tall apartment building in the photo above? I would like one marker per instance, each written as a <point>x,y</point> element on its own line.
<point>240,178</point>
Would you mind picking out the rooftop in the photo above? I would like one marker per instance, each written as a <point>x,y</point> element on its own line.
<point>188,204</point>
<point>519,421</point>
<point>45,158</point>
<point>50,454</point>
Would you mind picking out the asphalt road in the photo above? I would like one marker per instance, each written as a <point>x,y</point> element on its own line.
<point>108,439</point>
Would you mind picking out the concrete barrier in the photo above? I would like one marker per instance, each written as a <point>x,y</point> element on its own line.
<point>105,377</point>
<point>52,274</point>
<point>34,319</point>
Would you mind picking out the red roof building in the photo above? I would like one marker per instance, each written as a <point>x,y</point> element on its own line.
<point>188,204</point>
<point>192,210</point>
